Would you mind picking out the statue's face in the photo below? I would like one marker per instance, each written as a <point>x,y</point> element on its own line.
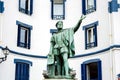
<point>59,25</point>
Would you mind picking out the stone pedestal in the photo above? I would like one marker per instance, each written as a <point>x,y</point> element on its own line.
<point>47,76</point>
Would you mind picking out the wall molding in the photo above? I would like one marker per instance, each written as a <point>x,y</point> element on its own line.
<point>76,56</point>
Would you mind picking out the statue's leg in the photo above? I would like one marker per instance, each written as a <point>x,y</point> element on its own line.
<point>53,70</point>
<point>66,65</point>
<point>58,65</point>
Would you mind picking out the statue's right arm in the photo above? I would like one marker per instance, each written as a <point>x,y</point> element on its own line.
<point>79,23</point>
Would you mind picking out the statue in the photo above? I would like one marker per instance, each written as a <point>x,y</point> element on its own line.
<point>61,48</point>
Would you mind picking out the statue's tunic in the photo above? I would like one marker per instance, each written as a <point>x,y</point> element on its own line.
<point>63,42</point>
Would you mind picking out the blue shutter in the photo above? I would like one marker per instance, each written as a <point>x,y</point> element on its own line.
<point>95,5</point>
<point>64,10</point>
<point>52,9</point>
<point>86,38</point>
<point>84,7</point>
<point>18,75</point>
<point>19,31</point>
<point>29,39</point>
<point>95,35</point>
<point>19,6</point>
<point>27,72</point>
<point>17,72</point>
<point>99,71</point>
<point>31,7</point>
<point>22,71</point>
<point>1,6</point>
<point>83,72</point>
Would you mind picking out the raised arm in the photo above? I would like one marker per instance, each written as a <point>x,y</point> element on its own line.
<point>79,23</point>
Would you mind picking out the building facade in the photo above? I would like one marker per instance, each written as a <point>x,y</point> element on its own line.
<point>26,27</point>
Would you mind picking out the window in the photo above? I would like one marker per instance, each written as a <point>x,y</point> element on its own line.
<point>91,70</point>
<point>26,6</point>
<point>52,31</point>
<point>90,35</point>
<point>24,35</point>
<point>88,6</point>
<point>58,9</point>
<point>22,69</point>
<point>1,6</point>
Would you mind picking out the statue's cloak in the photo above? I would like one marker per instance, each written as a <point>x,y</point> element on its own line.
<point>69,36</point>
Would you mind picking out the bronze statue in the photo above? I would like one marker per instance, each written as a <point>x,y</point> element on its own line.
<point>62,48</point>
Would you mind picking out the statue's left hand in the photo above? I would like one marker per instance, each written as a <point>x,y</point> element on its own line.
<point>82,17</point>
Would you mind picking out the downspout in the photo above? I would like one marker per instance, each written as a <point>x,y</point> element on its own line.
<point>113,7</point>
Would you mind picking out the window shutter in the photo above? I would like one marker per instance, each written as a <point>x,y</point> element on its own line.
<point>83,72</point>
<point>86,38</point>
<point>84,7</point>
<point>18,40</point>
<point>99,70</point>
<point>95,5</point>
<point>19,5</point>
<point>22,71</point>
<point>95,35</point>
<point>31,7</point>
<point>29,38</point>
<point>1,7</point>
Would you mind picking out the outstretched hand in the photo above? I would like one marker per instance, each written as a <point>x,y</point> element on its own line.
<point>82,17</point>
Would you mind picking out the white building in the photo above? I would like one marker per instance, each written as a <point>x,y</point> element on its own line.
<point>26,27</point>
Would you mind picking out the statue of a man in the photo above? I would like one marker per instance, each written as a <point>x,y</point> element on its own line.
<point>62,47</point>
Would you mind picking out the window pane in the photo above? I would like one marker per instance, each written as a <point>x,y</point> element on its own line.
<point>90,35</point>
<point>22,4</point>
<point>28,4</point>
<point>22,36</point>
<point>58,9</point>
<point>90,4</point>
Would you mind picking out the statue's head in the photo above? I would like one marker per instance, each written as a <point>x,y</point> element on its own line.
<point>59,25</point>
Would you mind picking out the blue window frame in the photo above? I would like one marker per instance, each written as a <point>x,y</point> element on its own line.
<point>24,35</point>
<point>58,9</point>
<point>22,69</point>
<point>90,35</point>
<point>91,70</point>
<point>52,31</point>
<point>26,6</point>
<point>1,6</point>
<point>88,6</point>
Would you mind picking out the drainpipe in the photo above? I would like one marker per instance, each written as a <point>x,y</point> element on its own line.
<point>111,39</point>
